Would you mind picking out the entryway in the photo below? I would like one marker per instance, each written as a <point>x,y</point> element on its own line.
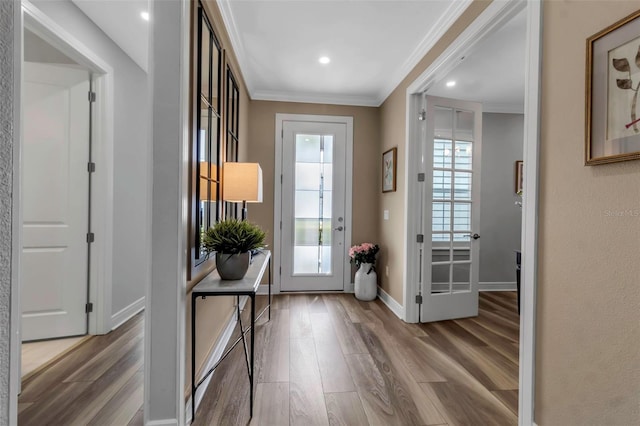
<point>313,202</point>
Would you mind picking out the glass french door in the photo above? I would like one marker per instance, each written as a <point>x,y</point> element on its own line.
<point>451,209</point>
<point>313,206</point>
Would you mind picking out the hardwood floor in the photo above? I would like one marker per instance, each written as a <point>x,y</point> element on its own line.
<point>36,355</point>
<point>332,360</point>
<point>99,382</point>
<point>322,360</point>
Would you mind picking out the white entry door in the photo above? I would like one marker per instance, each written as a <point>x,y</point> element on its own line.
<point>451,209</point>
<point>314,225</point>
<point>55,193</point>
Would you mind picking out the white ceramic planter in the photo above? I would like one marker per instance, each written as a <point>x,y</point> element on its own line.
<point>366,282</point>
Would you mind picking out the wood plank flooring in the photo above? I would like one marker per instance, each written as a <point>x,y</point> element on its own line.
<point>98,382</point>
<point>322,360</point>
<point>332,360</point>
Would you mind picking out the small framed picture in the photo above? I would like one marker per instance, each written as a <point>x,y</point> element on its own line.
<point>612,125</point>
<point>389,170</point>
<point>519,177</point>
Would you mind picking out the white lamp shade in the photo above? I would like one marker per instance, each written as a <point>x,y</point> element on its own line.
<point>242,182</point>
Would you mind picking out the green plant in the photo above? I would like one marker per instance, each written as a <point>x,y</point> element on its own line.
<point>233,236</point>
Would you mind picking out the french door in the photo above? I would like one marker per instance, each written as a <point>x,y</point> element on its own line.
<point>451,209</point>
<point>313,206</point>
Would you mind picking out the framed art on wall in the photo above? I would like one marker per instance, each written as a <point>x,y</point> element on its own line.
<point>389,170</point>
<point>612,86</point>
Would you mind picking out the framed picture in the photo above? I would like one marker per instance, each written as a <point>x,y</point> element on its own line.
<point>519,177</point>
<point>612,86</point>
<point>389,170</point>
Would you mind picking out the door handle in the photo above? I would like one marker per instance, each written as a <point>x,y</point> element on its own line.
<point>474,236</point>
<point>339,228</point>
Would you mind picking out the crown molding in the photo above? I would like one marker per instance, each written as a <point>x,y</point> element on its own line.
<point>314,98</point>
<point>236,42</point>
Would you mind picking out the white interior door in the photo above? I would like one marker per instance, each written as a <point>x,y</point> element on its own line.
<point>55,185</point>
<point>313,224</point>
<point>451,209</point>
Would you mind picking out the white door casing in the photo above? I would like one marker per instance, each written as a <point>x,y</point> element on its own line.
<point>313,205</point>
<point>55,212</point>
<point>451,146</point>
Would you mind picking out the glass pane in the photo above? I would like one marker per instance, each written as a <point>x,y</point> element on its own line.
<point>325,267</point>
<point>215,154</point>
<point>307,204</point>
<point>327,176</point>
<point>308,176</point>
<point>203,215</point>
<point>443,123</point>
<point>308,148</point>
<point>442,153</point>
<point>441,254</point>
<point>462,217</point>
<point>440,237</point>
<point>307,232</point>
<point>463,186</point>
<point>461,237</point>
<point>461,252</point>
<point>464,125</point>
<point>442,185</point>
<point>203,138</point>
<point>205,59</point>
<point>441,217</point>
<point>326,204</point>
<point>328,149</point>
<point>440,278</point>
<point>327,232</point>
<point>306,259</point>
<point>213,208</point>
<point>464,154</point>
<point>461,277</point>
<point>215,75</point>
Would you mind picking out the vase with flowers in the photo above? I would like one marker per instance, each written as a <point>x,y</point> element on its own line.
<point>366,279</point>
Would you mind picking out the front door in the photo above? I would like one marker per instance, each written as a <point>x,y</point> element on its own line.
<point>55,193</point>
<point>451,220</point>
<point>313,255</point>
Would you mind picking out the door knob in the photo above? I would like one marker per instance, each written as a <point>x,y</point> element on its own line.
<point>474,236</point>
<point>339,228</point>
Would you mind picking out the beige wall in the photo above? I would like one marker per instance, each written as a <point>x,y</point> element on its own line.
<point>214,312</point>
<point>366,161</point>
<point>393,132</point>
<point>588,318</point>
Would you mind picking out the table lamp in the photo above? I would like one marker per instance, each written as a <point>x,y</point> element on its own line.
<point>242,182</point>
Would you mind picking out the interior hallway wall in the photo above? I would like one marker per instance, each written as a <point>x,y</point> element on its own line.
<point>131,162</point>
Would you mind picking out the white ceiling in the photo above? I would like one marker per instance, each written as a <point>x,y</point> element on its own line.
<point>121,21</point>
<point>493,72</point>
<point>373,44</point>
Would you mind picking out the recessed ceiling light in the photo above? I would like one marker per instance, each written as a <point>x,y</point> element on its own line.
<point>144,15</point>
<point>451,83</point>
<point>324,60</point>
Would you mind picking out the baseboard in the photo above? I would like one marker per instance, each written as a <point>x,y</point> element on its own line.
<point>497,286</point>
<point>263,290</point>
<point>214,356</point>
<point>127,313</point>
<point>391,303</point>
<point>165,422</point>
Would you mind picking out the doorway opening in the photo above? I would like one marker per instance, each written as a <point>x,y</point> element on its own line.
<point>436,80</point>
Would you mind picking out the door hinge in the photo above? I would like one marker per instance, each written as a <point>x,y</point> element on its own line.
<point>419,299</point>
<point>91,167</point>
<point>422,115</point>
<point>420,238</point>
<point>92,96</point>
<point>280,270</point>
<point>280,224</point>
<point>88,308</point>
<point>420,177</point>
<point>281,179</point>
<point>91,237</point>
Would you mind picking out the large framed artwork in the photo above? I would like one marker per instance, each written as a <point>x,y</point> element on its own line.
<point>612,86</point>
<point>389,170</point>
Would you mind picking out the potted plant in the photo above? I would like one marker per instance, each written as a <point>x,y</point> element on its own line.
<point>366,279</point>
<point>232,240</point>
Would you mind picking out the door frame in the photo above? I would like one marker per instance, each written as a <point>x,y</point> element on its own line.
<point>32,18</point>
<point>486,23</point>
<point>277,190</point>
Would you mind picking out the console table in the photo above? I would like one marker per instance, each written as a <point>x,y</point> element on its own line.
<point>213,285</point>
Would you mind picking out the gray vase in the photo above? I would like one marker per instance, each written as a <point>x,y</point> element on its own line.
<point>232,266</point>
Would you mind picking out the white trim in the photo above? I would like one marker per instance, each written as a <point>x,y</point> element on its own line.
<point>236,41</point>
<point>214,356</point>
<point>530,213</point>
<point>277,198</point>
<point>125,314</point>
<point>451,15</point>
<point>268,95</point>
<point>497,286</point>
<point>391,303</point>
<point>102,191</point>
<point>516,108</point>
<point>15,339</point>
<point>493,17</point>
